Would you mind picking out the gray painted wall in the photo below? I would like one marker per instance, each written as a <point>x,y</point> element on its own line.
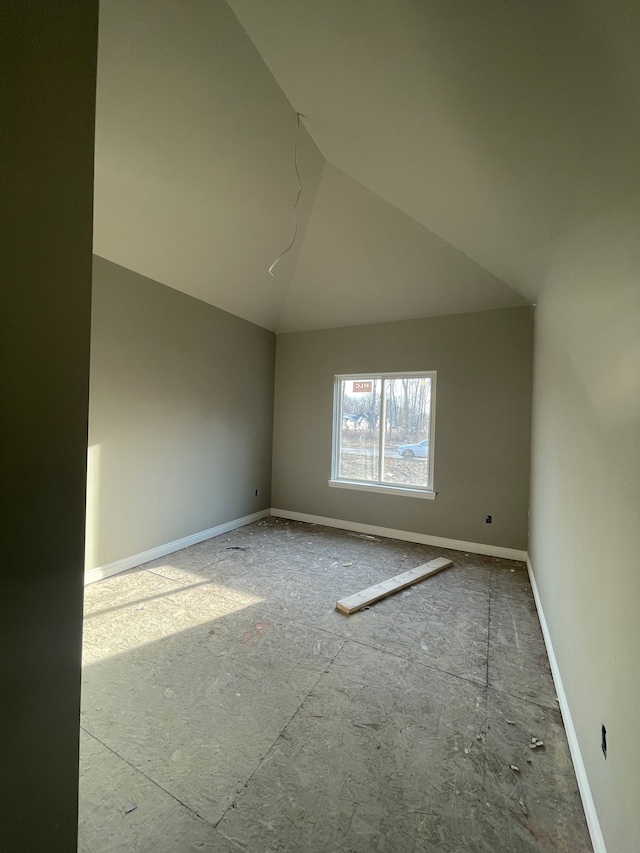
<point>483,411</point>
<point>47,99</point>
<point>585,499</point>
<point>181,413</point>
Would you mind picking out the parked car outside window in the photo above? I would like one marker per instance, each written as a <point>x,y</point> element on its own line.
<point>409,451</point>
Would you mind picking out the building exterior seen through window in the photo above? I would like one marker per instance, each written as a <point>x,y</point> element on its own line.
<point>383,430</point>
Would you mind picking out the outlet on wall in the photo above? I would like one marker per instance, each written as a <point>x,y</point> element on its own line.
<point>488,519</point>
<point>604,741</point>
<point>256,493</point>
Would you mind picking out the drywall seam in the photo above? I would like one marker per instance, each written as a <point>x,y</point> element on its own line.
<point>406,535</point>
<point>106,571</point>
<point>588,804</point>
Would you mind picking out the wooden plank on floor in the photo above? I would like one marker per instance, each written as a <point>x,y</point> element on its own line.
<point>358,600</point>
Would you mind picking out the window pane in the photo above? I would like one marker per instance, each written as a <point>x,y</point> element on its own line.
<point>359,431</point>
<point>406,436</point>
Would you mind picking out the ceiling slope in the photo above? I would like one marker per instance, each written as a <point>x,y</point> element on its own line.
<point>194,179</point>
<point>497,125</point>
<point>365,261</point>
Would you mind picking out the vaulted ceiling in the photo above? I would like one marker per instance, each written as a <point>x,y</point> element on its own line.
<point>444,148</point>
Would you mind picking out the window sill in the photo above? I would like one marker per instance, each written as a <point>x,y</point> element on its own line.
<point>404,491</point>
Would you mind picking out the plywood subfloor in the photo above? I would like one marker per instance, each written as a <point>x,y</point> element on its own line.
<point>227,706</point>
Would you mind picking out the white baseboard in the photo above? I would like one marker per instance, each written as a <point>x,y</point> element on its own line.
<point>134,560</point>
<point>588,804</point>
<point>106,571</point>
<point>407,536</point>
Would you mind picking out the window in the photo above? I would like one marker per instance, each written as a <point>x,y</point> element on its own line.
<point>383,428</point>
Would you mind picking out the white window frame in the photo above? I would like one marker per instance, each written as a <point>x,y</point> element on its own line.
<point>378,486</point>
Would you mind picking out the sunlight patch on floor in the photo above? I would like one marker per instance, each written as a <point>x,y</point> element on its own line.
<point>145,608</point>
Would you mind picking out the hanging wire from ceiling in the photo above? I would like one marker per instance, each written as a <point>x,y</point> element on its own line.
<point>295,204</point>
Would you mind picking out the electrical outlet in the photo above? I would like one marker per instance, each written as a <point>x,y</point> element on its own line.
<point>488,519</point>
<point>604,741</point>
<point>256,493</point>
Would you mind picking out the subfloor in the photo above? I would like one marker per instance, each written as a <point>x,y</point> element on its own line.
<point>227,706</point>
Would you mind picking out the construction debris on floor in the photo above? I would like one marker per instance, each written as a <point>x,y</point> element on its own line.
<point>381,590</point>
<point>227,705</point>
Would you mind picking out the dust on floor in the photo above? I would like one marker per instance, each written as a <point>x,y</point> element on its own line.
<point>227,706</point>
